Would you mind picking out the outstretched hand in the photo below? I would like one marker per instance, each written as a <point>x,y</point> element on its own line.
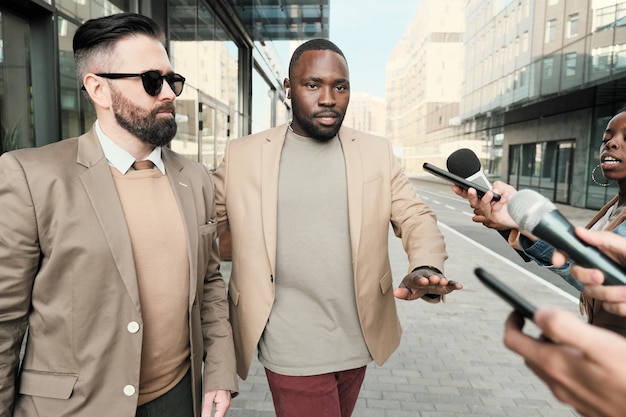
<point>424,281</point>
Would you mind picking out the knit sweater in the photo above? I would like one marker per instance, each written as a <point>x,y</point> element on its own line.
<point>160,252</point>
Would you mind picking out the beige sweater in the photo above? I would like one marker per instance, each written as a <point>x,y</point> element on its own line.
<point>160,251</point>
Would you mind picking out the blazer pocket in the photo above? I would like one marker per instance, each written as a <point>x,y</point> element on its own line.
<point>386,283</point>
<point>49,385</point>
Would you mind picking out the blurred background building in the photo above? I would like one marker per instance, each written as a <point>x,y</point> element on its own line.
<point>540,80</point>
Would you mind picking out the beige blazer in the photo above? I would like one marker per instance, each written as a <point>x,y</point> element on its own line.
<point>67,272</point>
<point>378,193</point>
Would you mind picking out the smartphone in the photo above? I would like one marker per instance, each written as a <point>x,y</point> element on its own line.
<point>460,181</point>
<point>525,307</point>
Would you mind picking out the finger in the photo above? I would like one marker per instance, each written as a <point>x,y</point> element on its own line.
<point>618,309</point>
<point>563,327</point>
<point>401,293</point>
<point>559,258</point>
<point>612,294</point>
<point>587,276</point>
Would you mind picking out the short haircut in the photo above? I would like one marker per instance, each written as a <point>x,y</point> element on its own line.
<point>99,36</point>
<point>317,44</point>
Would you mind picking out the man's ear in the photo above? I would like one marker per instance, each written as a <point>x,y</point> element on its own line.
<point>98,90</point>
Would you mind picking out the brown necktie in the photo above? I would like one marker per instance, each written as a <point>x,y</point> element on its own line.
<point>146,164</point>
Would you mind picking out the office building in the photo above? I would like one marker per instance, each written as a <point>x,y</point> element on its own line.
<point>542,79</point>
<point>423,86</point>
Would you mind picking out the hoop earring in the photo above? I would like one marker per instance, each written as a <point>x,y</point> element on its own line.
<point>593,178</point>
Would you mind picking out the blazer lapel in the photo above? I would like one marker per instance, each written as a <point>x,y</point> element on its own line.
<point>181,186</point>
<point>101,191</point>
<point>354,178</point>
<point>270,165</point>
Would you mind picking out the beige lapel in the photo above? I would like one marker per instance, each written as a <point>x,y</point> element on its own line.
<point>100,188</point>
<point>270,165</point>
<point>181,185</point>
<point>354,177</point>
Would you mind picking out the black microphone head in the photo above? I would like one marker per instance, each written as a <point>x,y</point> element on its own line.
<point>528,207</point>
<point>463,162</point>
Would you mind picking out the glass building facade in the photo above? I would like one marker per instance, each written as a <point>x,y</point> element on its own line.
<point>545,77</point>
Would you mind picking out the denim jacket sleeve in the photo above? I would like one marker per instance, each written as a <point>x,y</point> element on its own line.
<point>541,252</point>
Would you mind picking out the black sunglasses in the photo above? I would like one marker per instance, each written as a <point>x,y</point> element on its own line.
<point>152,81</point>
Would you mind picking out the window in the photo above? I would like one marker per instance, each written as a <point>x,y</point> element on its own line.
<point>570,64</point>
<point>525,42</point>
<point>604,18</point>
<point>550,31</point>
<point>572,25</point>
<point>548,67</point>
<point>553,2</point>
<point>620,56</point>
<point>620,14</point>
<point>601,59</point>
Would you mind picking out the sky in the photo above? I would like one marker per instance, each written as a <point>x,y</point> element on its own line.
<point>367,31</point>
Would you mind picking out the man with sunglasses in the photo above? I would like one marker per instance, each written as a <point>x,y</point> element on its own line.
<point>113,268</point>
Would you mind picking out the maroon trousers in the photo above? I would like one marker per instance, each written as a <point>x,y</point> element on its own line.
<point>329,395</point>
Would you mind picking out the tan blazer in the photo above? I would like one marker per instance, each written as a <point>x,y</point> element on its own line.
<point>67,272</point>
<point>378,193</point>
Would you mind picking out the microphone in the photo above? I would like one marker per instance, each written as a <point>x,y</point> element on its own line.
<point>464,163</point>
<point>536,214</point>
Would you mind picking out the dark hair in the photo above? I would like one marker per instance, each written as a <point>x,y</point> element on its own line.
<point>317,44</point>
<point>101,34</point>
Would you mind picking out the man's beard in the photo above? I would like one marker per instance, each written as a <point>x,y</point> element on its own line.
<point>144,124</point>
<point>323,134</point>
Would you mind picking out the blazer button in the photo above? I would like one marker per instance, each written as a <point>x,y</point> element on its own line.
<point>129,390</point>
<point>133,327</point>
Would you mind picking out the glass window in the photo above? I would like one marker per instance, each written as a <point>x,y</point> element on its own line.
<point>203,52</point>
<point>604,18</point>
<point>620,14</point>
<point>550,31</point>
<point>572,25</point>
<point>88,9</point>
<point>16,118</point>
<point>620,56</point>
<point>570,64</point>
<point>548,67</point>
<point>601,59</point>
<point>71,97</point>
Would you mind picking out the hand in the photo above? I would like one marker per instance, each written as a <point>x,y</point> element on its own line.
<point>612,245</point>
<point>492,214</point>
<point>424,281</point>
<point>220,398</point>
<point>581,365</point>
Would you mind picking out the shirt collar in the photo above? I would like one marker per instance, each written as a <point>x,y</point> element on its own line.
<point>119,158</point>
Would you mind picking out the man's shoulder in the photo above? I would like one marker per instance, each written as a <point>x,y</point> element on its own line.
<point>264,135</point>
<point>55,151</point>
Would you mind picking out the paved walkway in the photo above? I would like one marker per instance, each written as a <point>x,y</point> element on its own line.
<point>451,362</point>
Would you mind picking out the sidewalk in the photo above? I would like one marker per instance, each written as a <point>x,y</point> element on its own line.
<point>451,361</point>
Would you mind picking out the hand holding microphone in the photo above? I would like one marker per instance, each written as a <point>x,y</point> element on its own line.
<point>538,215</point>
